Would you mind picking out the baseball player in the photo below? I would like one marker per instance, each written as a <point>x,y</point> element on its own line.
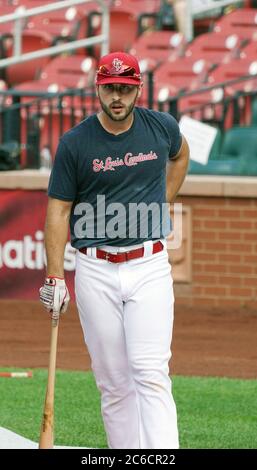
<point>112,174</point>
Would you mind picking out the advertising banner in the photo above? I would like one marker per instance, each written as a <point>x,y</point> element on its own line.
<point>22,254</point>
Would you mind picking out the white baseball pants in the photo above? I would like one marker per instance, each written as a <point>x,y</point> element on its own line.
<point>126,313</point>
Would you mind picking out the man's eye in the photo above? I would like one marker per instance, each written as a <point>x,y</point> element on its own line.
<point>126,89</point>
<point>108,87</point>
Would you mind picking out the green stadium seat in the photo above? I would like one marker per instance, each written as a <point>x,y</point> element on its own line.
<point>237,155</point>
<point>254,113</point>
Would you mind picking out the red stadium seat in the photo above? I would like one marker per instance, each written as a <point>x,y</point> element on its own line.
<point>39,86</point>
<point>123,30</point>
<point>232,71</point>
<point>215,47</point>
<point>31,41</point>
<point>235,69</point>
<point>206,105</point>
<point>60,24</point>
<point>7,28</point>
<point>158,45</point>
<point>242,21</point>
<point>175,76</point>
<point>182,73</point>
<point>74,71</point>
<point>125,16</point>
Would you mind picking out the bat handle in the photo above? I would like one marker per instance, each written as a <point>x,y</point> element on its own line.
<point>47,434</point>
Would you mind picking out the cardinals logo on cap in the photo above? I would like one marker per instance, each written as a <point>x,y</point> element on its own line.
<point>117,64</point>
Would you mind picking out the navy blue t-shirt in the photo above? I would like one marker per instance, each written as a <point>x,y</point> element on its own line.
<point>117,182</point>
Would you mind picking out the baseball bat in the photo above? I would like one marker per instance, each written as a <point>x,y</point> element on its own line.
<point>46,440</point>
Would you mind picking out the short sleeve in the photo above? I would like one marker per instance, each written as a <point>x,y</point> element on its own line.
<point>174,135</point>
<point>63,178</point>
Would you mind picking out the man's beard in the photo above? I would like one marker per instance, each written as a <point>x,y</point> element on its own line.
<point>109,113</point>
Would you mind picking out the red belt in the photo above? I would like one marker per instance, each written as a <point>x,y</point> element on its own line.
<point>125,256</point>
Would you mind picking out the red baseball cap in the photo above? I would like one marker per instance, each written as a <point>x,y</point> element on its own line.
<point>118,67</point>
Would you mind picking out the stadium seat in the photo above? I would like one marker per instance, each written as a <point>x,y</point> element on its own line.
<point>63,73</point>
<point>241,21</point>
<point>158,46</point>
<point>7,28</point>
<point>214,47</point>
<point>73,71</point>
<point>40,86</point>
<point>235,157</point>
<point>233,70</point>
<point>207,106</point>
<point>240,141</point>
<point>123,30</point>
<point>31,41</point>
<point>173,77</point>
<point>227,166</point>
<point>181,73</point>
<point>60,24</point>
<point>128,18</point>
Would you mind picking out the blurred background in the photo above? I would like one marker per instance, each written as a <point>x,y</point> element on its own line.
<point>199,62</point>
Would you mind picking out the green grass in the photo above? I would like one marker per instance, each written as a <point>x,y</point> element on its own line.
<point>213,412</point>
<point>216,413</point>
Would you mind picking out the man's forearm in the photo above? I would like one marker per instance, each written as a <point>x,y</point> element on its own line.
<point>176,174</point>
<point>176,171</point>
<point>55,242</point>
<point>56,234</point>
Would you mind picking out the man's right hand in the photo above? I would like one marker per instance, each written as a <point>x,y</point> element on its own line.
<point>55,296</point>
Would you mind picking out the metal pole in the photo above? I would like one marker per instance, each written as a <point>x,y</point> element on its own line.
<point>17,37</point>
<point>105,29</point>
<point>189,21</point>
<point>68,46</point>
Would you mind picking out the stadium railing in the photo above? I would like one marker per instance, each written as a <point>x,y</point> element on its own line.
<point>22,14</point>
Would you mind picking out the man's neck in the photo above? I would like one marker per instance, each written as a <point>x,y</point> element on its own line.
<point>115,127</point>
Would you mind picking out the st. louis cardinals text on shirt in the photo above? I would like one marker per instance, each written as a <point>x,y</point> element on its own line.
<point>109,164</point>
<point>128,168</point>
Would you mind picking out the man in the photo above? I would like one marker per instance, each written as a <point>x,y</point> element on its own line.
<point>109,169</point>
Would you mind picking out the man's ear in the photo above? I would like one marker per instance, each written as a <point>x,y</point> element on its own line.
<point>97,90</point>
<point>140,90</point>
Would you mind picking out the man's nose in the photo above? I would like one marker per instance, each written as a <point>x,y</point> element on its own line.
<point>116,93</point>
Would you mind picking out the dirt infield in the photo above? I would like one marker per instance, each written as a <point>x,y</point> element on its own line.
<point>206,342</point>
